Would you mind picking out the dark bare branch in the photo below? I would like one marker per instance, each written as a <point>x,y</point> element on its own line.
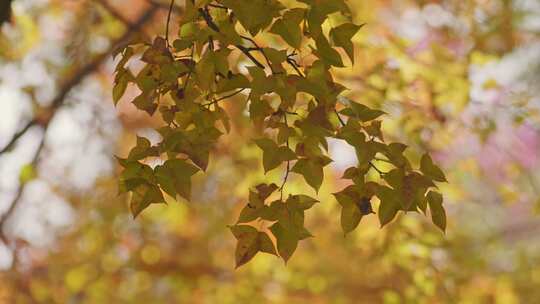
<point>58,101</point>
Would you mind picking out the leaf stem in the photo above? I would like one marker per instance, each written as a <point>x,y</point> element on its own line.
<point>224,97</point>
<point>168,21</point>
<point>293,63</point>
<point>211,24</point>
<point>339,118</point>
<point>218,6</point>
<point>260,49</point>
<point>381,173</point>
<point>288,164</point>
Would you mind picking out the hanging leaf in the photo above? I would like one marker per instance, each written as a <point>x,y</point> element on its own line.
<point>287,242</point>
<point>389,206</point>
<point>350,214</point>
<point>342,36</point>
<point>143,195</point>
<point>288,27</point>
<point>312,172</point>
<point>250,242</point>
<point>273,155</point>
<point>438,215</point>
<point>217,69</point>
<point>254,15</point>
<point>174,177</point>
<point>431,170</point>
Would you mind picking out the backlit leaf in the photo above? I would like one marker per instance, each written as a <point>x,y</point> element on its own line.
<point>250,242</point>
<point>438,215</point>
<point>430,169</point>
<point>342,36</point>
<point>287,242</point>
<point>312,172</point>
<point>273,155</point>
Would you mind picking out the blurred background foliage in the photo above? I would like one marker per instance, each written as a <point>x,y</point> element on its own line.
<point>457,78</point>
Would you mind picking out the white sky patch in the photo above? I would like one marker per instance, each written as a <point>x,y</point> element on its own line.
<point>80,140</point>
<point>6,257</point>
<point>16,106</point>
<point>11,163</point>
<point>342,153</point>
<point>511,72</point>
<point>40,215</point>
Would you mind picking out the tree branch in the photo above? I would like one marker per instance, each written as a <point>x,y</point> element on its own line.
<point>58,101</point>
<point>225,97</point>
<point>211,24</point>
<point>18,135</point>
<point>339,118</point>
<point>168,21</point>
<point>288,164</point>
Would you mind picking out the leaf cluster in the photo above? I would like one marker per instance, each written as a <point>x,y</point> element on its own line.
<point>292,102</point>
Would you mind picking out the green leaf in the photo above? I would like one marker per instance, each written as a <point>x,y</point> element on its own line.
<point>265,244</point>
<point>174,177</point>
<point>205,71</point>
<point>146,103</point>
<point>265,190</point>
<point>438,215</point>
<point>134,174</point>
<point>273,155</point>
<point>342,37</point>
<point>182,44</point>
<point>27,173</point>
<point>301,202</point>
<point>361,112</point>
<point>394,152</point>
<point>234,81</point>
<point>287,242</point>
<point>158,53</point>
<point>259,109</point>
<point>288,27</point>
<point>121,81</point>
<point>249,213</point>
<point>350,173</point>
<point>326,53</point>
<point>254,15</point>
<point>144,195</point>
<point>127,53</point>
<point>350,214</point>
<point>256,208</point>
<point>250,242</point>
<point>431,170</point>
<point>389,205</point>
<point>260,84</point>
<point>142,150</point>
<point>319,10</point>
<point>312,172</point>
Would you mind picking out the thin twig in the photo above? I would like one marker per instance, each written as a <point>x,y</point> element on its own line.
<point>211,24</point>
<point>190,69</point>
<point>18,135</point>
<point>261,50</point>
<point>224,97</point>
<point>293,63</point>
<point>168,21</point>
<point>246,52</point>
<point>288,164</point>
<point>339,118</point>
<point>177,9</point>
<point>218,6</point>
<point>381,173</point>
